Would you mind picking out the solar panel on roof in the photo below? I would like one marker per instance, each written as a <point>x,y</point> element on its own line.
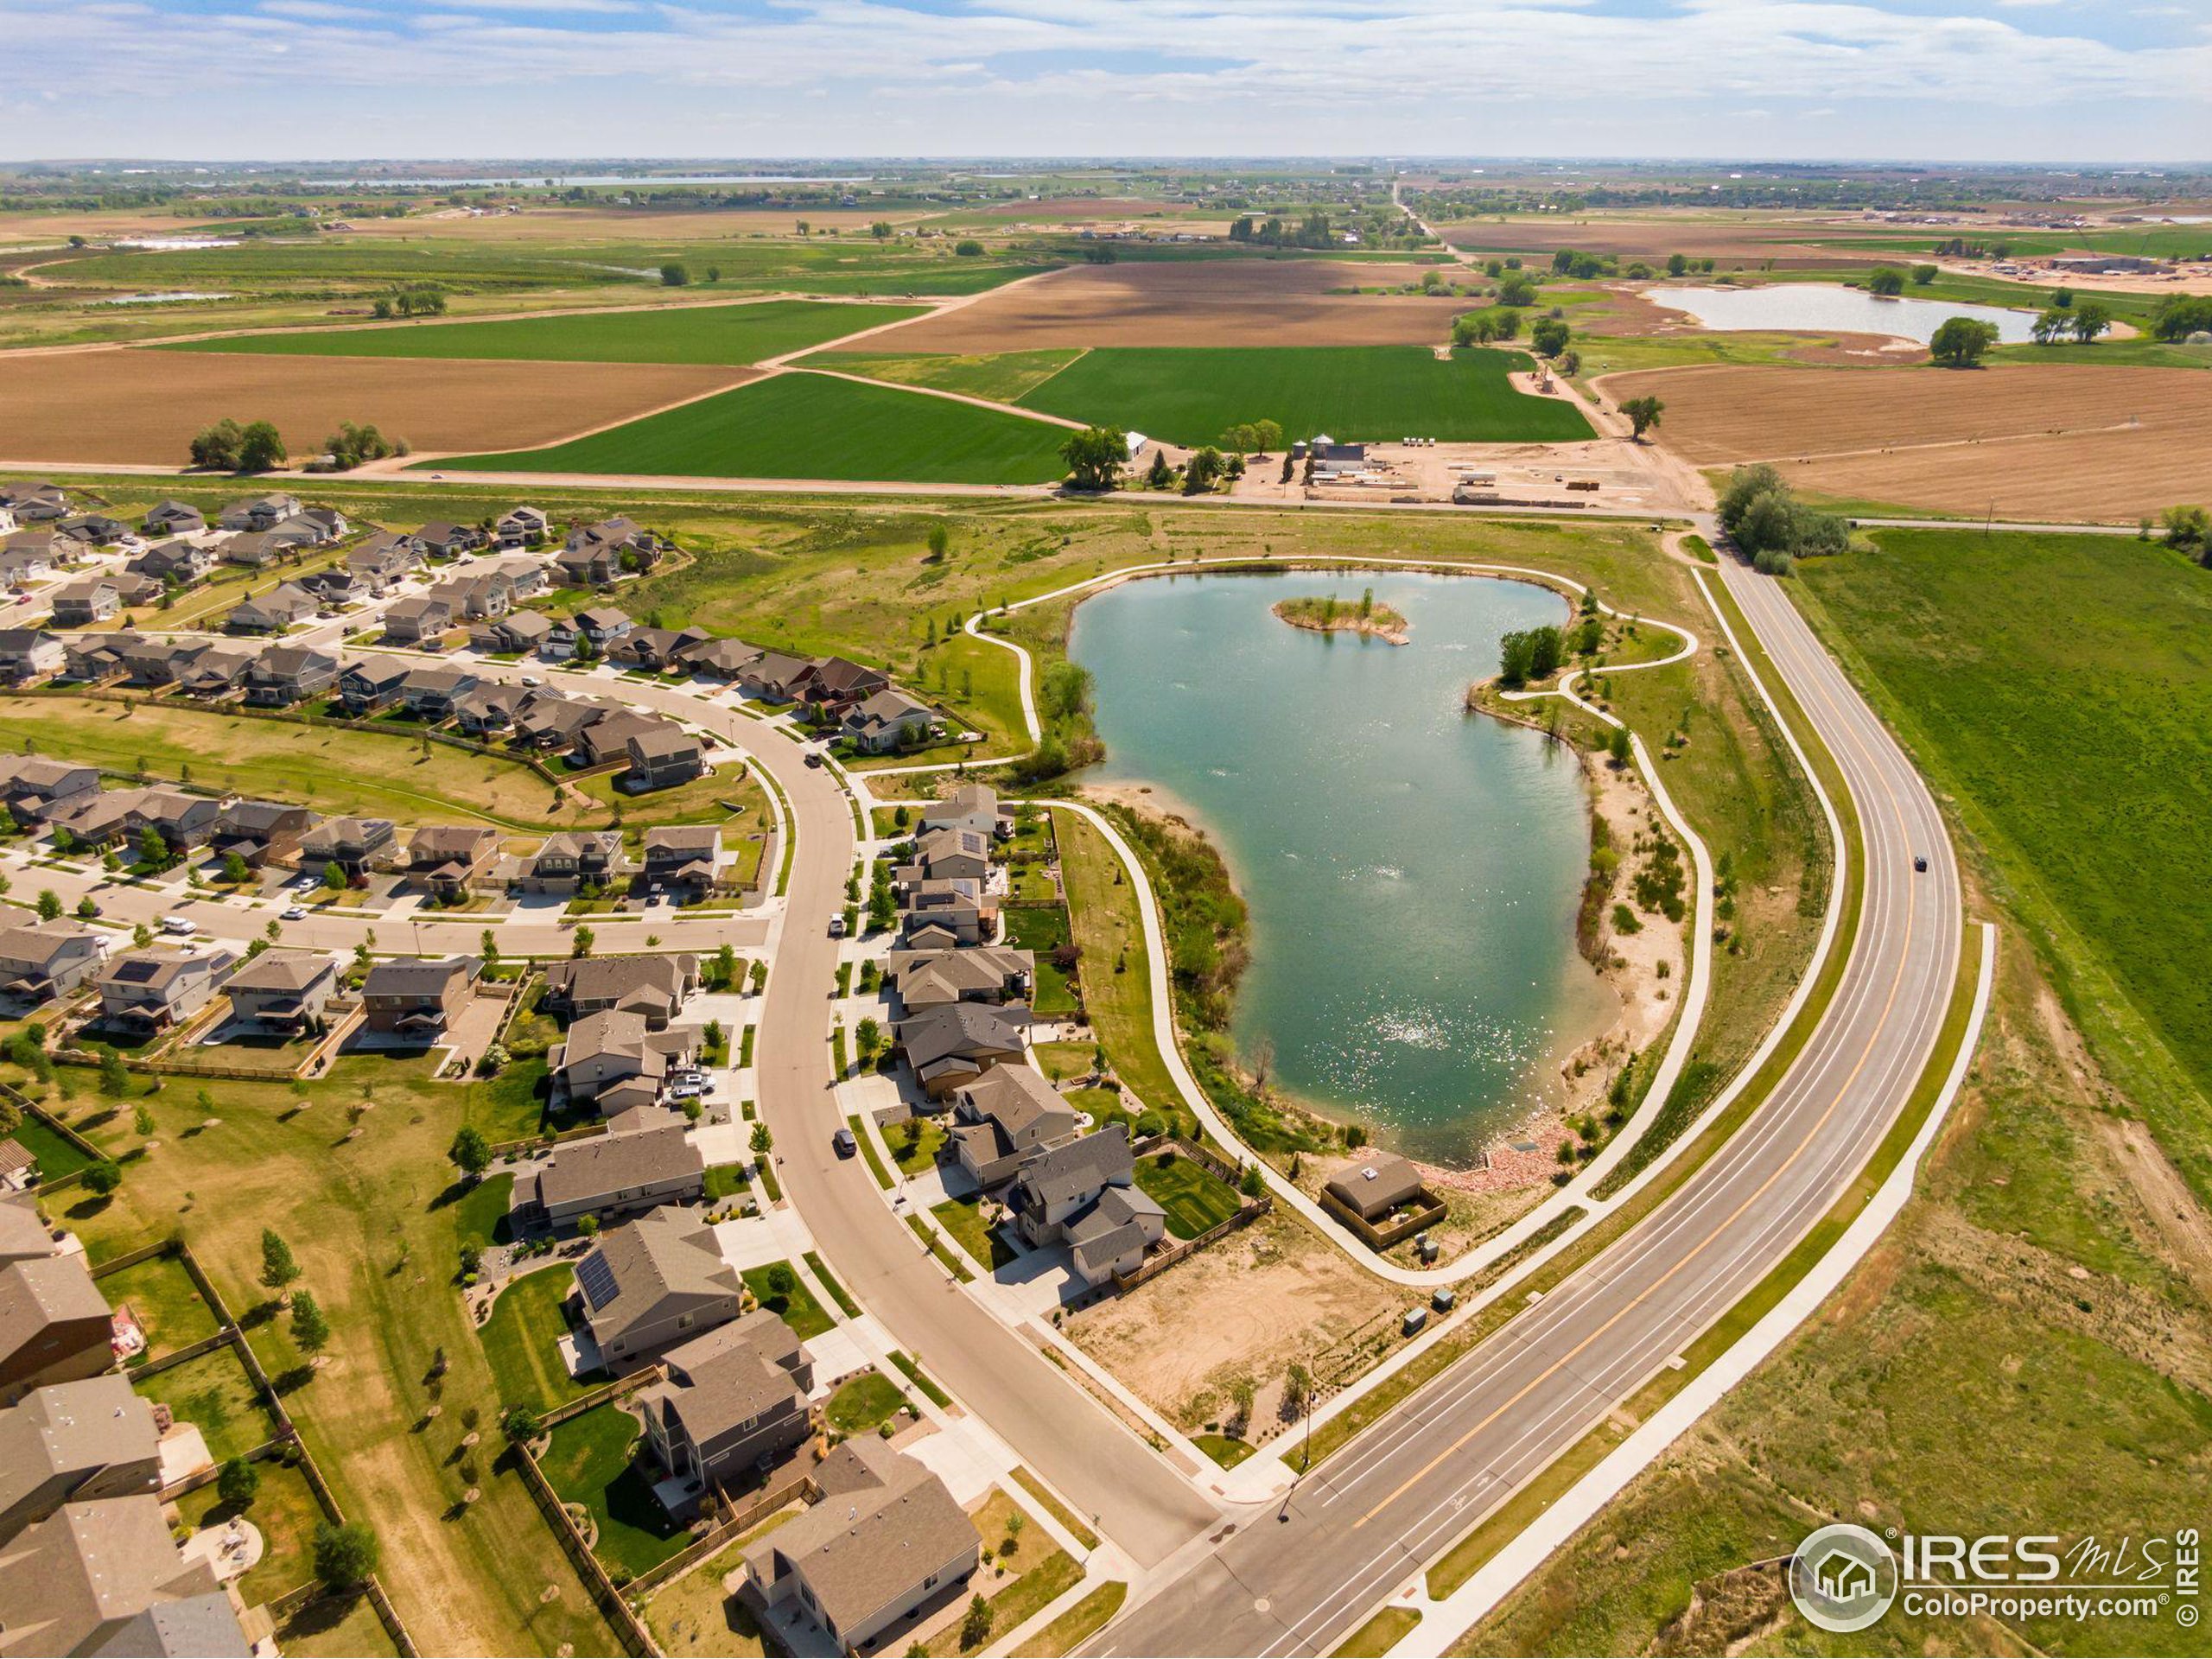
<point>596,1280</point>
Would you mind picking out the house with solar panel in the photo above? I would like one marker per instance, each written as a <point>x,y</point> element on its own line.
<point>654,1283</point>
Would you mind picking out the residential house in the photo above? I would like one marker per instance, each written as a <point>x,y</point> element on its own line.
<point>73,1442</point>
<point>947,855</point>
<point>354,845</point>
<point>663,757</point>
<point>418,619</point>
<point>23,1236</point>
<point>88,600</point>
<point>31,654</point>
<point>382,561</point>
<point>1375,1185</point>
<point>184,821</point>
<point>653,1283</point>
<point>446,859</point>
<point>886,1542</point>
<point>93,658</point>
<point>570,859</point>
<point>654,648</point>
<point>612,1060</point>
<point>283,990</point>
<point>217,671</point>
<point>595,554</point>
<point>336,590</point>
<point>259,512</point>
<point>155,662</point>
<point>683,858</point>
<point>29,554</point>
<point>477,596</point>
<point>601,626</point>
<point>1004,1116</point>
<point>519,632</point>
<point>774,676</point>
<point>370,682</point>
<point>988,973</point>
<point>286,605</point>
<point>310,527</point>
<point>836,684</point>
<point>54,1325</point>
<point>173,518</point>
<point>560,639</point>
<point>488,707</point>
<point>136,590</point>
<point>407,997</point>
<point>103,1576</point>
<point>259,831</point>
<point>430,693</point>
<point>653,988</point>
<point>959,907</point>
<point>521,527</point>
<point>255,550</point>
<point>719,659</point>
<point>450,541</point>
<point>42,960</point>
<point>526,577</point>
<point>607,739</point>
<point>956,1043</point>
<point>888,721</point>
<point>551,721</point>
<point>733,1400</point>
<point>285,675</point>
<point>36,787</point>
<point>147,991</point>
<point>623,1172</point>
<point>1083,1193</point>
<point>972,806</point>
<point>36,503</point>
<point>179,563</point>
<point>93,530</point>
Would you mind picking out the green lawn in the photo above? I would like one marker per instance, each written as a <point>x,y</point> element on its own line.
<point>335,1627</point>
<point>1002,377</point>
<point>519,1337</point>
<point>809,426</point>
<point>1080,1622</point>
<point>1224,1449</point>
<point>481,1211</point>
<point>914,1143</point>
<point>2079,754</point>
<point>590,1462</point>
<point>689,333</point>
<point>1193,1196</point>
<point>862,1404</point>
<point>56,1156</point>
<point>963,1219</point>
<point>1190,395</point>
<point>162,1293</point>
<point>798,1310</point>
<point>1042,929</point>
<point>1115,966</point>
<point>213,1393</point>
<point>285,1510</point>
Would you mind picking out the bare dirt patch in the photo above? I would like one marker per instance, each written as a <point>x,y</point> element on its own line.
<point>1201,302</point>
<point>143,407</point>
<point>2059,441</point>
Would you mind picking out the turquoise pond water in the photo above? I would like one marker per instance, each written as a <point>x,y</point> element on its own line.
<point>1412,870</point>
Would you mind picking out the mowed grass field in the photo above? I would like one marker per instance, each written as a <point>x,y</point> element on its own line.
<point>1192,394</point>
<point>1002,377</point>
<point>2056,688</point>
<point>809,426</point>
<point>728,334</point>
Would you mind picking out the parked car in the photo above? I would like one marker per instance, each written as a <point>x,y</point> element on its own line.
<point>843,1142</point>
<point>813,757</point>
<point>179,925</point>
<point>532,682</point>
<point>836,927</point>
<point>688,1088</point>
<point>292,913</point>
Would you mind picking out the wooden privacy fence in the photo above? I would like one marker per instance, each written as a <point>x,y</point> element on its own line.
<point>719,1535</point>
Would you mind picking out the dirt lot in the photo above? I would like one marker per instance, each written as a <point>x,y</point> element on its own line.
<point>2062,441</point>
<point>1730,238</point>
<point>143,407</point>
<point>1248,1305</point>
<point>1205,302</point>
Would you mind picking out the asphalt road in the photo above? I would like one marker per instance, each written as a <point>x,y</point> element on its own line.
<point>1296,1578</point>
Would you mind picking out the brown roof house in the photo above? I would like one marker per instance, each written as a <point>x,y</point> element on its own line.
<point>610,1059</point>
<point>1369,1193</point>
<point>104,1577</point>
<point>151,991</point>
<point>406,997</point>
<point>570,860</point>
<point>887,722</point>
<point>985,973</point>
<point>886,1542</point>
<point>39,960</point>
<point>71,1441</point>
<point>654,1283</point>
<point>625,1171</point>
<point>1003,1117</point>
<point>1083,1193</point>
<point>283,990</point>
<point>684,857</point>
<point>652,987</point>
<point>971,806</point>
<point>443,859</point>
<point>36,787</point>
<point>733,1400</point>
<point>54,1325</point>
<point>956,1043</point>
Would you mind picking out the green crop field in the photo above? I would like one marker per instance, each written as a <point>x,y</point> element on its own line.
<point>2080,755</point>
<point>688,334</point>
<point>1002,377</point>
<point>809,426</point>
<point>1191,395</point>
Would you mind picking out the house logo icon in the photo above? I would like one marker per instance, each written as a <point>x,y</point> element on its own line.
<point>1843,1577</point>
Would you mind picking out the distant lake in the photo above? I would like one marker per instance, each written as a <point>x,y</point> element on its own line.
<point>1826,308</point>
<point>1412,870</point>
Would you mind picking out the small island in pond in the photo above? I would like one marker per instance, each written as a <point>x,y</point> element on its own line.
<point>1334,615</point>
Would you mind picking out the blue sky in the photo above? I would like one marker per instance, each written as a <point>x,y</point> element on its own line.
<point>2033,81</point>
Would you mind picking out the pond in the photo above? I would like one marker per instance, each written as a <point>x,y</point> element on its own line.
<point>1412,870</point>
<point>1826,308</point>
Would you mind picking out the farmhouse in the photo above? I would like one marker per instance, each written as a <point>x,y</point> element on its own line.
<point>655,1283</point>
<point>734,1400</point>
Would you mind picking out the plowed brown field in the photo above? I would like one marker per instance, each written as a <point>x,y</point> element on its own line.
<point>143,407</point>
<point>1202,302</point>
<point>2066,442</point>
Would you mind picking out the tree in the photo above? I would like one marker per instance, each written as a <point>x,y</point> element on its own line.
<point>1676,264</point>
<point>939,542</point>
<point>2051,326</point>
<point>2091,318</point>
<point>260,448</point>
<point>237,1484</point>
<point>1961,342</point>
<point>1885,279</point>
<point>345,1556</point>
<point>1516,290</point>
<point>761,1139</point>
<point>1923,275</point>
<point>588,1226</point>
<point>1095,457</point>
<point>968,248</point>
<point>2189,529</point>
<point>50,904</point>
<point>470,1152</point>
<point>1549,336</point>
<point>782,1282</point>
<point>278,1269</point>
<point>115,1076</point>
<point>1643,414</point>
<point>1530,654</point>
<point>153,849</point>
<point>880,230</point>
<point>1618,747</point>
<point>310,1329</point>
<point>579,945</point>
<point>2180,315</point>
<point>1203,471</point>
<point>520,1424</point>
<point>975,1624</point>
<point>102,1178</point>
<point>235,870</point>
<point>674,275</point>
<point>1159,475</point>
<point>217,446</point>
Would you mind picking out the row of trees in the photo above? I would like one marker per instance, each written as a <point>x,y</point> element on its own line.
<point>1763,517</point>
<point>1530,654</point>
<point>2081,323</point>
<point>229,448</point>
<point>1889,281</point>
<point>420,300</point>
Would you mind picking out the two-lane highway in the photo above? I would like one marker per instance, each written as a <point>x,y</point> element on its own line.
<point>1364,1525</point>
